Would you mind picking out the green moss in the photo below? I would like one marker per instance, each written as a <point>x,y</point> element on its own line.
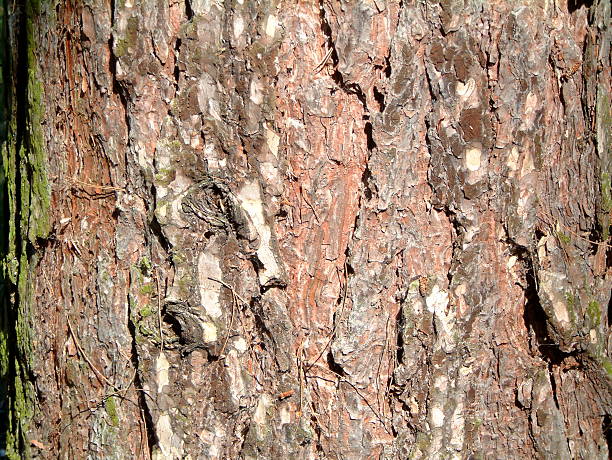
<point>296,434</point>
<point>145,331</point>
<point>184,285</point>
<point>571,305</point>
<point>475,422</point>
<point>537,160</point>
<point>147,289</point>
<point>606,193</point>
<point>165,176</point>
<point>111,410</point>
<point>607,365</point>
<point>145,312</point>
<point>565,239</point>
<point>422,442</point>
<point>24,206</point>
<point>594,312</point>
<point>130,40</point>
<point>145,265</point>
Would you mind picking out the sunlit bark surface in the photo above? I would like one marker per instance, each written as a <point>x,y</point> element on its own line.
<point>296,229</point>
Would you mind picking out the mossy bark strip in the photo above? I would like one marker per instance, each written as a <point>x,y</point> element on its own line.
<point>24,198</point>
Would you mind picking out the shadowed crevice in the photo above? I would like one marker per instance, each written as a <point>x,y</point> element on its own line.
<point>574,5</point>
<point>142,402</point>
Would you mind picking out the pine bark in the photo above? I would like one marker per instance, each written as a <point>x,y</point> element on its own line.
<point>312,229</point>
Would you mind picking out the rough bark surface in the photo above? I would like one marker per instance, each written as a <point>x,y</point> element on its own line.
<point>280,229</point>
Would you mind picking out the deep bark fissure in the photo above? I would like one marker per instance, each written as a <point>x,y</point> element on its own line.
<point>188,10</point>
<point>609,310</point>
<point>574,5</point>
<point>536,321</point>
<point>380,98</point>
<point>534,315</point>
<point>177,72</point>
<point>151,436</point>
<point>352,88</point>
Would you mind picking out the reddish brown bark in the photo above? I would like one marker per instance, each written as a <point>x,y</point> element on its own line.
<point>327,229</point>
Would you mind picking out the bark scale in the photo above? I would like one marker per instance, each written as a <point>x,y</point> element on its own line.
<point>328,229</point>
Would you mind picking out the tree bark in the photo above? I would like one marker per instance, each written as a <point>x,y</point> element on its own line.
<point>279,229</point>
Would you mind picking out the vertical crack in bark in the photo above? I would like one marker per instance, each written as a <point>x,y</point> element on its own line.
<point>352,88</point>
<point>118,89</point>
<point>177,71</point>
<point>536,322</point>
<point>188,10</point>
<point>142,402</point>
<point>380,99</point>
<point>574,5</point>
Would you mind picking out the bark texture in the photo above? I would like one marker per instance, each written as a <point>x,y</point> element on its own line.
<point>280,229</point>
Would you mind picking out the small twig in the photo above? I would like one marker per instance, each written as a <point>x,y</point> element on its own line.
<point>571,232</point>
<point>229,329</point>
<point>322,63</point>
<point>381,405</point>
<point>100,403</point>
<point>300,364</point>
<point>235,299</point>
<point>144,436</point>
<point>127,388</point>
<point>342,379</point>
<point>314,212</point>
<point>230,288</point>
<point>159,316</point>
<point>335,328</point>
<point>99,374</point>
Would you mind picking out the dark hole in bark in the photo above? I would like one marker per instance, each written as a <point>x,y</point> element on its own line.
<point>387,67</point>
<point>380,98</point>
<point>400,336</point>
<point>370,139</point>
<point>188,10</point>
<point>536,320</point>
<point>157,231</point>
<point>573,5</point>
<point>175,327</point>
<point>596,237</point>
<point>365,180</point>
<point>333,365</point>
<point>177,47</point>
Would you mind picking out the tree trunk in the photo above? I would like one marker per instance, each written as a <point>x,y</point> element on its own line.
<point>280,229</point>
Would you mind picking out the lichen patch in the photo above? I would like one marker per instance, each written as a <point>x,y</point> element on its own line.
<point>250,200</point>
<point>210,290</point>
<point>472,159</point>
